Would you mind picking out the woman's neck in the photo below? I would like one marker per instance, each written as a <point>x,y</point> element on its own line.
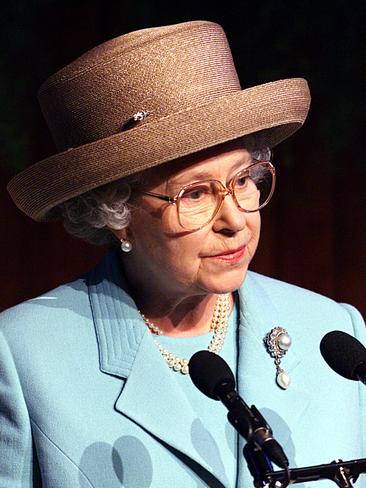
<point>187,316</point>
<point>181,311</point>
<point>180,315</point>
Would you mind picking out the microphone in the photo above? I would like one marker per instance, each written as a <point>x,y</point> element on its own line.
<point>345,355</point>
<point>214,378</point>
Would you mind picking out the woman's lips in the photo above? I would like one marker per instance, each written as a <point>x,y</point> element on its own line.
<point>230,256</point>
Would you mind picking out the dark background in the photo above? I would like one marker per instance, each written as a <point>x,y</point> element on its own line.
<point>314,231</point>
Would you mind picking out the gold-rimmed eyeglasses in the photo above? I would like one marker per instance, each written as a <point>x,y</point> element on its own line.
<point>198,203</point>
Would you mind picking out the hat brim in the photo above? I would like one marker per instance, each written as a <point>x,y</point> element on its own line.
<point>276,109</point>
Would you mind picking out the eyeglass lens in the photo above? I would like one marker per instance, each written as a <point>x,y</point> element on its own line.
<point>252,189</point>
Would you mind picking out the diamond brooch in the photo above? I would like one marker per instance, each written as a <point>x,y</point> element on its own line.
<point>277,342</point>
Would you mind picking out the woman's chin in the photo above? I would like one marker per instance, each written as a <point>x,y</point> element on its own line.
<point>225,282</point>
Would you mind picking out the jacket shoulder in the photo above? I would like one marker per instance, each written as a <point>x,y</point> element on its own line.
<point>282,290</point>
<point>296,302</point>
<point>53,309</point>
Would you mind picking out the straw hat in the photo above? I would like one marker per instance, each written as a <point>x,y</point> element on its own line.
<point>143,99</point>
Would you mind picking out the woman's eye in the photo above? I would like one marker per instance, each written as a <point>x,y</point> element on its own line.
<point>195,194</point>
<point>242,181</point>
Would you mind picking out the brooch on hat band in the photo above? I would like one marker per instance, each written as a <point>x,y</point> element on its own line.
<point>277,342</point>
<point>135,118</point>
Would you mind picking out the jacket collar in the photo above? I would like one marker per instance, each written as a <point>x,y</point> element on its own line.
<point>150,392</point>
<point>117,321</point>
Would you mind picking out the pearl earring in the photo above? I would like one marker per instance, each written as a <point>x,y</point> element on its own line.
<point>277,342</point>
<point>126,246</point>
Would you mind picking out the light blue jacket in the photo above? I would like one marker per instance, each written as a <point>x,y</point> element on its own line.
<point>86,400</point>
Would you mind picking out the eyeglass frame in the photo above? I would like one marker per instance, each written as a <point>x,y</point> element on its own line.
<point>224,191</point>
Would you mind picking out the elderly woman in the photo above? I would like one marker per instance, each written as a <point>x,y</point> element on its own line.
<point>165,158</point>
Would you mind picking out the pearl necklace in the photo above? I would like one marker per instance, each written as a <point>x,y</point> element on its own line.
<point>219,326</point>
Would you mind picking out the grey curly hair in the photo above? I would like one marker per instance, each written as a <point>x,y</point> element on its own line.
<point>90,216</point>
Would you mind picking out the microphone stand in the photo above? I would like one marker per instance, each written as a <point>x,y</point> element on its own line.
<point>344,474</point>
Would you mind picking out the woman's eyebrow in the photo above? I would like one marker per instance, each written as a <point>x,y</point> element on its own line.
<point>191,177</point>
<point>201,175</point>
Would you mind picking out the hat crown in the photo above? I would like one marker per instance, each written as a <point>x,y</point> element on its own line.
<point>161,70</point>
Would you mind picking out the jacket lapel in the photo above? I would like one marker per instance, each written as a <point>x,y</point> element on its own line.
<point>153,399</point>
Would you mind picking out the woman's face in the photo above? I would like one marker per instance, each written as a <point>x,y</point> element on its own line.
<point>174,261</point>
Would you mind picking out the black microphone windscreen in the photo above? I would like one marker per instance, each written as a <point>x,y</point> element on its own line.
<point>208,370</point>
<point>343,353</point>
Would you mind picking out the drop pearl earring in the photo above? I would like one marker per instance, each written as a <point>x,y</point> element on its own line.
<point>126,246</point>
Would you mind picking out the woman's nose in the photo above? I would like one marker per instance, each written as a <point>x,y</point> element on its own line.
<point>230,217</point>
